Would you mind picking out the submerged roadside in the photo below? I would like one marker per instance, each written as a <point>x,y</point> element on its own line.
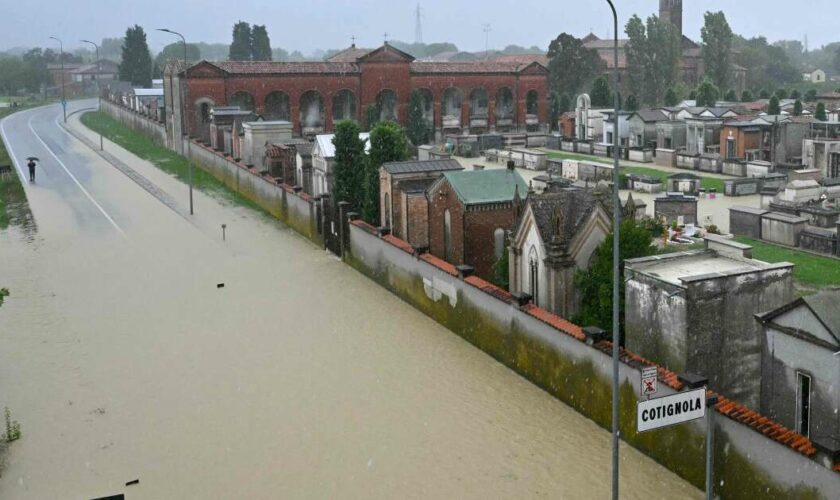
<point>14,206</point>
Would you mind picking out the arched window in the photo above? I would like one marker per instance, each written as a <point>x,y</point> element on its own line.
<point>277,106</point>
<point>386,101</point>
<point>428,106</point>
<point>452,103</point>
<point>478,103</point>
<point>311,112</point>
<point>498,242</point>
<point>534,274</point>
<point>447,236</point>
<point>204,113</point>
<point>504,104</point>
<point>532,102</point>
<point>243,99</point>
<point>344,106</point>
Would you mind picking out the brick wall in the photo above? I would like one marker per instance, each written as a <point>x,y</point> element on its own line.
<point>441,200</point>
<point>481,224</point>
<point>416,217</point>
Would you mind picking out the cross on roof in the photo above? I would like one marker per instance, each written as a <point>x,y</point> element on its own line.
<point>386,37</point>
<point>353,39</point>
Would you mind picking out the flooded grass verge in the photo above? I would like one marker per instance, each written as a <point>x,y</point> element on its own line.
<point>163,158</point>
<point>14,207</point>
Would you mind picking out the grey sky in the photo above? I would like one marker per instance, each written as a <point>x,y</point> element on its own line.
<point>324,24</point>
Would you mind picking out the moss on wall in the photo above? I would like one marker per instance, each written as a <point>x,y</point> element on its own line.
<point>578,383</point>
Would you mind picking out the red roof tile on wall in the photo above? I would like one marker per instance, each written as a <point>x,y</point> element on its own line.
<point>439,263</point>
<point>490,288</point>
<point>364,225</point>
<point>276,67</point>
<point>402,245</point>
<point>554,320</point>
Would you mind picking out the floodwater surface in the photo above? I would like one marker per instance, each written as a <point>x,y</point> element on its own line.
<point>123,359</point>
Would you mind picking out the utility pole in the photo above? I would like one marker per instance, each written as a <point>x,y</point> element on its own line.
<point>184,120</point>
<point>487,29</point>
<point>418,27</point>
<point>98,89</point>
<point>616,333</point>
<point>61,62</point>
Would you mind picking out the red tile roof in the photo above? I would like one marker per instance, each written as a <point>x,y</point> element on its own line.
<point>439,263</point>
<point>364,225</point>
<point>554,320</point>
<point>402,245</point>
<point>489,288</point>
<point>523,59</point>
<point>350,54</point>
<point>276,67</point>
<point>467,67</point>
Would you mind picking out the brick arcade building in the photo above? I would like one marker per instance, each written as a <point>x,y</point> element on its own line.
<point>463,97</point>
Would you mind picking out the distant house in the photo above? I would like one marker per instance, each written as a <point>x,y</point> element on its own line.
<point>402,196</point>
<point>703,129</point>
<point>556,235</point>
<point>813,76</point>
<point>323,155</point>
<point>800,379</point>
<point>470,213</point>
<point>102,70</point>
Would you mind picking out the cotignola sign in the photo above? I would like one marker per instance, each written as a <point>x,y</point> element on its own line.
<point>670,410</point>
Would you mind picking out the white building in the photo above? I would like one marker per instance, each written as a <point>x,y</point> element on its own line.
<point>323,154</point>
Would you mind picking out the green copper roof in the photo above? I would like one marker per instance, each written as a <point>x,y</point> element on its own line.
<point>475,187</point>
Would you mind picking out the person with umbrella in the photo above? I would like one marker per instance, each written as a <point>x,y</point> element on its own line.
<point>31,166</point>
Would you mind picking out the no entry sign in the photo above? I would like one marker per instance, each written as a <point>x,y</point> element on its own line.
<point>670,410</point>
<point>649,381</point>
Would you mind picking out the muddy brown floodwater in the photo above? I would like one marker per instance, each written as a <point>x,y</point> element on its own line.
<point>300,378</point>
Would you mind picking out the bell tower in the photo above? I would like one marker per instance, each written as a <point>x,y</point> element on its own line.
<point>671,11</point>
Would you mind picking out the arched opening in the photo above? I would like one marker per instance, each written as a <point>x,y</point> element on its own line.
<point>452,108</point>
<point>498,242</point>
<point>532,110</point>
<point>447,236</point>
<point>428,107</point>
<point>504,109</point>
<point>478,110</point>
<point>386,101</point>
<point>311,113</point>
<point>243,99</point>
<point>277,106</point>
<point>203,116</point>
<point>534,275</point>
<point>344,106</point>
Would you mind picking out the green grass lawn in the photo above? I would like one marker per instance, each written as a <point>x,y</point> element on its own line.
<point>14,207</point>
<point>811,270</point>
<point>706,182</point>
<point>163,158</point>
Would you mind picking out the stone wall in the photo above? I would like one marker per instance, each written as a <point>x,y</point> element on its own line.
<point>136,122</point>
<point>781,228</point>
<point>746,221</point>
<point>554,354</point>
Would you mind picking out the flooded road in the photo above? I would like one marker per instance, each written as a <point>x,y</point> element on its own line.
<point>300,378</point>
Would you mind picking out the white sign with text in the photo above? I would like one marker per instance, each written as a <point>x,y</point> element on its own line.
<point>670,410</point>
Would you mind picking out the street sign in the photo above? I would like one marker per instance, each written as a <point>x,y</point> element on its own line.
<point>649,381</point>
<point>670,410</point>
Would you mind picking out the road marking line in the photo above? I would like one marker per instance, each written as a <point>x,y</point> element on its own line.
<point>11,151</point>
<point>79,184</point>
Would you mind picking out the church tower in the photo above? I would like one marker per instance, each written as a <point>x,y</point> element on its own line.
<point>671,11</point>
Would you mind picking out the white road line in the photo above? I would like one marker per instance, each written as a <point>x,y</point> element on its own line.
<point>79,184</point>
<point>11,151</point>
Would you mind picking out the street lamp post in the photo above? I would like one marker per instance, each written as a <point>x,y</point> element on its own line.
<point>184,114</point>
<point>61,62</point>
<point>98,89</point>
<point>616,262</point>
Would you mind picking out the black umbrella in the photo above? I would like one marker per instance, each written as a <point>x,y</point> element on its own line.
<point>32,158</point>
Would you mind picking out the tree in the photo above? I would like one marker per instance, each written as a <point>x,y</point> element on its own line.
<point>782,93</point>
<point>601,95</point>
<point>764,94</point>
<point>692,96</point>
<point>811,95</point>
<point>111,49</point>
<point>707,94</point>
<point>820,113</point>
<point>388,142</point>
<point>773,107</point>
<point>671,98</point>
<point>836,59</point>
<point>174,51</point>
<point>653,54</point>
<point>260,44</point>
<point>349,164</point>
<point>795,94</point>
<point>717,48</point>
<point>731,96</point>
<point>4,292</point>
<point>632,103</point>
<point>746,96</point>
<point>797,108</point>
<point>372,114</point>
<point>595,283</point>
<point>768,66</point>
<point>240,47</point>
<point>501,270</point>
<point>566,52</point>
<point>136,64</point>
<point>418,129</point>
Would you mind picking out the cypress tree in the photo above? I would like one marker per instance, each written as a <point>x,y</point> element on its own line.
<point>240,47</point>
<point>261,44</point>
<point>388,143</point>
<point>136,64</point>
<point>349,165</point>
<point>820,114</point>
<point>418,131</point>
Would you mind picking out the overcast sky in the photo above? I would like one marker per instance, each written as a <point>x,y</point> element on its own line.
<point>322,24</point>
